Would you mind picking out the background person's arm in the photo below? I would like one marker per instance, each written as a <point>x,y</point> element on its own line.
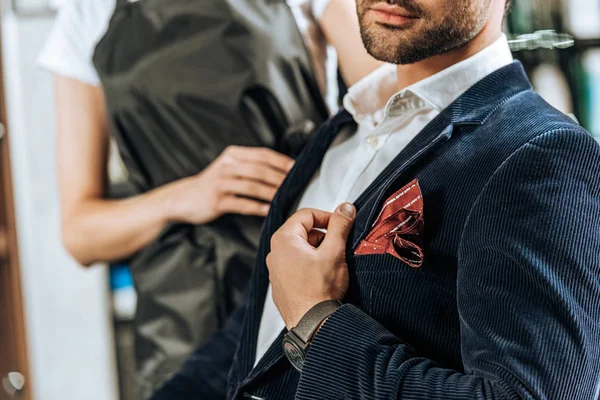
<point>340,26</point>
<point>96,229</point>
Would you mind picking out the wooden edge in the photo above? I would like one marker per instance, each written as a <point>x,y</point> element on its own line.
<point>17,336</point>
<point>3,245</point>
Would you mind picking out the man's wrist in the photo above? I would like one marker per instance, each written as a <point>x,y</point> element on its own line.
<point>292,323</point>
<point>314,319</point>
<point>297,341</point>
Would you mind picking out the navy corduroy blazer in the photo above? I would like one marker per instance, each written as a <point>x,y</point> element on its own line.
<point>507,302</point>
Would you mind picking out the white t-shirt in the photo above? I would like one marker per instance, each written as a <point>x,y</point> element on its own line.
<point>81,24</point>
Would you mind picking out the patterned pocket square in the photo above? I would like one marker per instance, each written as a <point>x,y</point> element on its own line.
<point>398,228</point>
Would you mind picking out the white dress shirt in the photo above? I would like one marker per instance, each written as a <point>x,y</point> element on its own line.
<point>387,121</point>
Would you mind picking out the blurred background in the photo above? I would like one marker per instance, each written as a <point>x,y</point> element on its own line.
<point>64,330</point>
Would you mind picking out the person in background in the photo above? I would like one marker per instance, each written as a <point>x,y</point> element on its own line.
<point>116,72</point>
<point>444,237</point>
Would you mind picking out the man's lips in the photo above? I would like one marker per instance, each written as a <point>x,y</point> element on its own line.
<point>391,15</point>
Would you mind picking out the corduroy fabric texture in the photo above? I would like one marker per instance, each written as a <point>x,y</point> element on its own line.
<point>507,302</point>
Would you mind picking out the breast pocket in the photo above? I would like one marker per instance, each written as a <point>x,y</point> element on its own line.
<point>410,302</point>
<point>376,280</point>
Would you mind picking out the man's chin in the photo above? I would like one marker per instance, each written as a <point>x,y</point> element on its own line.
<point>388,51</point>
<point>388,55</point>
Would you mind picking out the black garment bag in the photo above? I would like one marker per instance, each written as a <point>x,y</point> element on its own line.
<point>184,79</point>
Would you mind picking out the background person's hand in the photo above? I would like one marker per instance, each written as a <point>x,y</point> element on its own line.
<point>242,180</point>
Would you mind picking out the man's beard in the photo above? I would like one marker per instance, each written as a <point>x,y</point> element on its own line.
<point>429,36</point>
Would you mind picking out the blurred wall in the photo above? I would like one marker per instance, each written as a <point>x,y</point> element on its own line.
<point>67,307</point>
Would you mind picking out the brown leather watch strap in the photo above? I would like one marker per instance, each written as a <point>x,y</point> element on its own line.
<point>310,322</point>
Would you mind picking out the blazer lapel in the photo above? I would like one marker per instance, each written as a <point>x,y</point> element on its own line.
<point>290,191</point>
<point>293,186</point>
<point>430,138</point>
<point>473,108</point>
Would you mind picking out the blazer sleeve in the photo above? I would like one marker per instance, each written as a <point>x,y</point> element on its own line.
<point>204,374</point>
<point>528,295</point>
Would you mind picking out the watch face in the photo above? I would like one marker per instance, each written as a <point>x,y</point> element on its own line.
<point>294,354</point>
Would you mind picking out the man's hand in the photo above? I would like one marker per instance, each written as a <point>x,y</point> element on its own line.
<point>307,266</point>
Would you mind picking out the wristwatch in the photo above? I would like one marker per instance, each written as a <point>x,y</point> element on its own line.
<point>297,340</point>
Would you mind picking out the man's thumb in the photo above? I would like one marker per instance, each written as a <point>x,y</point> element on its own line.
<point>339,227</point>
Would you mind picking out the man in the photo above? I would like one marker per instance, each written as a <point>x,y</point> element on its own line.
<point>469,263</point>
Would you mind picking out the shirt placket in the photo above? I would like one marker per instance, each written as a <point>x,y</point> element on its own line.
<point>362,157</point>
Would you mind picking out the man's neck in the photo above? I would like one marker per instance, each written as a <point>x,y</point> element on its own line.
<point>413,73</point>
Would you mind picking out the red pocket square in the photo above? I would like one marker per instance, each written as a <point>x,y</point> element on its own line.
<point>398,227</point>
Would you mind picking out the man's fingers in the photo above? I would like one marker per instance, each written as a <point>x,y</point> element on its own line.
<point>305,220</point>
<point>248,188</point>
<point>239,205</point>
<point>338,230</point>
<point>262,156</point>
<point>315,238</point>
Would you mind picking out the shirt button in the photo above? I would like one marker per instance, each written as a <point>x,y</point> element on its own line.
<point>372,141</point>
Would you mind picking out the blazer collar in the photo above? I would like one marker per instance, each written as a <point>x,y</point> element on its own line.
<point>478,103</point>
<point>474,107</point>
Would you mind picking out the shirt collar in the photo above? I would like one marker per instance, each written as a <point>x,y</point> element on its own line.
<point>367,98</point>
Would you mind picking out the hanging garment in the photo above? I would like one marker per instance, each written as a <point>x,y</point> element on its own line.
<point>184,79</point>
